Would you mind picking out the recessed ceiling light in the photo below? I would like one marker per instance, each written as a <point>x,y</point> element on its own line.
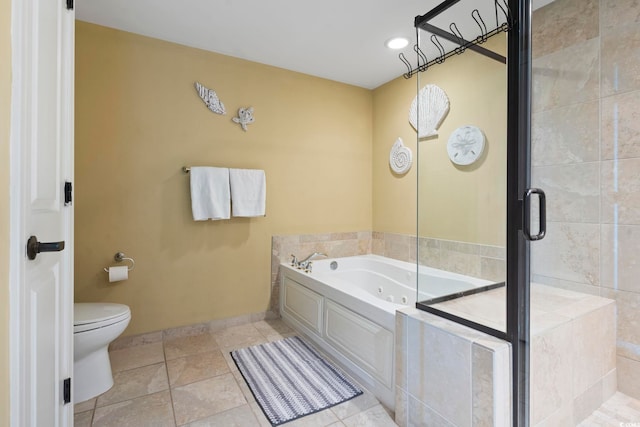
<point>396,43</point>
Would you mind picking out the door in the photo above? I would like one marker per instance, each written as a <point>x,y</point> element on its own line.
<point>42,161</point>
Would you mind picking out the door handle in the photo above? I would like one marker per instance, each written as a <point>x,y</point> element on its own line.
<point>542,208</point>
<point>34,247</point>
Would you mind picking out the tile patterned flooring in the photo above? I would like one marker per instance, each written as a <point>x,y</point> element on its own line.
<point>192,381</point>
<point>619,411</point>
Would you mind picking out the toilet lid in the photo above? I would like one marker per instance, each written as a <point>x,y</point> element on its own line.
<point>93,315</point>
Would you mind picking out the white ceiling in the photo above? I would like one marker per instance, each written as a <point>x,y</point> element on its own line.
<point>341,40</point>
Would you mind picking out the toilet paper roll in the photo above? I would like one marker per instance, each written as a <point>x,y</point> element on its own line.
<point>118,273</point>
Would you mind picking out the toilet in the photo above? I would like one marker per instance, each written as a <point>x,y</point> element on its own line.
<point>95,325</point>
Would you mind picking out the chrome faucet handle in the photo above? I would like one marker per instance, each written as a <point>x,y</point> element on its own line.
<point>294,260</point>
<point>307,267</point>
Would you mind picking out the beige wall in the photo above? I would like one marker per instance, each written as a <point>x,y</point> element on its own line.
<point>5,116</point>
<point>456,203</point>
<point>139,120</point>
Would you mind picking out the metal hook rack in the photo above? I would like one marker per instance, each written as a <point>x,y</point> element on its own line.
<point>502,13</point>
<point>120,257</point>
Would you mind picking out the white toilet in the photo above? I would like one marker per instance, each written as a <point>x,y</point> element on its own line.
<point>95,325</point>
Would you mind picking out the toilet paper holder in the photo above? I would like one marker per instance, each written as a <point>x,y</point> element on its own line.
<point>119,257</point>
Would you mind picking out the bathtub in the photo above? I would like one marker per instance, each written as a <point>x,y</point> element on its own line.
<point>347,307</point>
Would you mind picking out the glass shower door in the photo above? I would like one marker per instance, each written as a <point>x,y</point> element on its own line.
<point>476,211</point>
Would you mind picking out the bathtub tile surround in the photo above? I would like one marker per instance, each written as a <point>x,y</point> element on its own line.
<point>481,261</point>
<point>448,374</point>
<point>586,155</point>
<point>196,384</point>
<point>573,361</point>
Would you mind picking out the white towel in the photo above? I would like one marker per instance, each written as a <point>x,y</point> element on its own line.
<point>210,198</point>
<point>248,192</point>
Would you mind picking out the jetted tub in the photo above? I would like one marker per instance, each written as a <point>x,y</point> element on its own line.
<point>347,307</point>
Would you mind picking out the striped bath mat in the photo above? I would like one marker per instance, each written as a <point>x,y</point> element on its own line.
<point>290,380</point>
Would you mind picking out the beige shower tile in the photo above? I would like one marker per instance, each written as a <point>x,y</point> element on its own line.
<point>153,410</point>
<point>564,135</point>
<point>568,76</point>
<point>585,404</point>
<point>551,299</point>
<point>205,398</point>
<point>441,376</point>
<point>196,367</point>
<point>566,284</point>
<point>373,417</point>
<point>551,372</point>
<point>462,247</point>
<point>429,252</point>
<point>621,126</point>
<point>239,337</point>
<point>591,348</point>
<point>568,252</point>
<point>82,419</point>
<point>186,346</point>
<point>619,258</point>
<point>241,416</point>
<point>420,414</point>
<point>493,269</point>
<point>401,349</point>
<point>620,188</point>
<point>497,252</point>
<point>628,322</point>
<point>572,191</point>
<point>134,383</point>
<point>460,262</point>
<point>550,24</point>
<point>621,60</point>
<point>618,13</point>
<point>629,377</point>
<point>135,357</point>
<point>482,383</point>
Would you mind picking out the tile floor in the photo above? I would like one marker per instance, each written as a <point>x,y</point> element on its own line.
<point>192,381</point>
<point>619,411</point>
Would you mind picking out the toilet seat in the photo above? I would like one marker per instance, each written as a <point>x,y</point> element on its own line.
<point>92,315</point>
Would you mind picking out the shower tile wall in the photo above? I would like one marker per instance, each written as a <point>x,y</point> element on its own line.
<point>586,156</point>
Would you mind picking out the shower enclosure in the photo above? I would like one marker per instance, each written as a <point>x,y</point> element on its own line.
<point>540,101</point>
<point>474,195</point>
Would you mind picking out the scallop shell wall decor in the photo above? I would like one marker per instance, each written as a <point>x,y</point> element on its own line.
<point>210,99</point>
<point>400,157</point>
<point>433,107</point>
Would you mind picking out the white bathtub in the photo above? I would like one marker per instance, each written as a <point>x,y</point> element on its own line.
<point>347,307</point>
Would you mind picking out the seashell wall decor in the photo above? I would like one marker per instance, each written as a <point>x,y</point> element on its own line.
<point>432,104</point>
<point>400,157</point>
<point>210,99</point>
<point>245,117</point>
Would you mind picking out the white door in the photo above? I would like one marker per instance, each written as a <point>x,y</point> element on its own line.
<point>41,162</point>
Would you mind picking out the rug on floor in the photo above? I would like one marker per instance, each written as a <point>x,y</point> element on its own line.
<point>289,379</point>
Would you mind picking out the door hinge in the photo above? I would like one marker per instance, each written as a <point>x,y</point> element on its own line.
<point>69,4</point>
<point>68,190</point>
<point>66,390</point>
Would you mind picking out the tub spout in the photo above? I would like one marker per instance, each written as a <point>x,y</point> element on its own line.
<point>304,264</point>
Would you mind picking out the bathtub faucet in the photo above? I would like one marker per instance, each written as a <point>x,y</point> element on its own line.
<point>305,264</point>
